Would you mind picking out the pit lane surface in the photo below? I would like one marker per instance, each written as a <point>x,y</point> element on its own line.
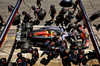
<point>7,45</point>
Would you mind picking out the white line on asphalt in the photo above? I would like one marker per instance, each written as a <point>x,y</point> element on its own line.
<point>16,53</point>
<point>14,60</point>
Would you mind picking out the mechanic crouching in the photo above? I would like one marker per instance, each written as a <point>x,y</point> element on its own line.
<point>51,53</point>
<point>35,56</point>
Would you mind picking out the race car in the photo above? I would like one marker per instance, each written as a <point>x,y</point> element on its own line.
<point>43,35</point>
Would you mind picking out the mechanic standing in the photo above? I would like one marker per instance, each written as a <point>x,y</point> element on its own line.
<point>36,10</point>
<point>1,22</point>
<point>39,14</point>
<point>60,18</point>
<point>16,20</point>
<point>52,12</point>
<point>21,61</point>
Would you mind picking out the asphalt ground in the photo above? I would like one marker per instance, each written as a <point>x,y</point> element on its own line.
<point>8,43</point>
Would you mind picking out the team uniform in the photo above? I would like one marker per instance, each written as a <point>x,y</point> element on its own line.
<point>36,11</point>
<point>1,22</point>
<point>35,55</point>
<point>21,61</point>
<point>26,18</point>
<point>65,59</point>
<point>52,13</point>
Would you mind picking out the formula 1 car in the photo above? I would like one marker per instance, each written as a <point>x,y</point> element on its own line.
<point>44,34</point>
<point>36,37</point>
<point>41,37</point>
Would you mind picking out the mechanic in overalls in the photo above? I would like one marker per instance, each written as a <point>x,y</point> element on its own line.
<point>36,11</point>
<point>52,12</point>
<point>16,20</point>
<point>21,61</point>
<point>60,17</point>
<point>39,14</point>
<point>35,56</point>
<point>27,17</point>
<point>1,22</point>
<point>63,50</point>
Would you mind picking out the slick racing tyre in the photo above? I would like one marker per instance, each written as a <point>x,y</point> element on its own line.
<point>25,47</point>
